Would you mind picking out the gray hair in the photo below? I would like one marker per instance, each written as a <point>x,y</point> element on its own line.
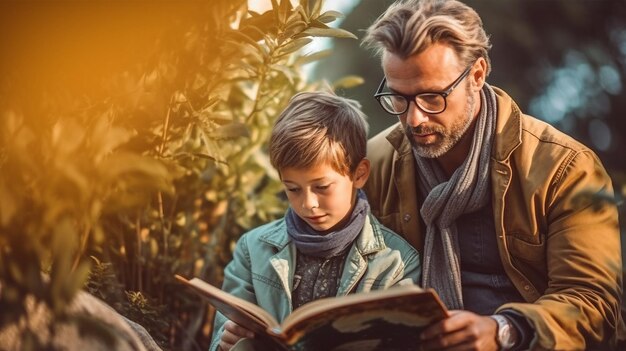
<point>408,27</point>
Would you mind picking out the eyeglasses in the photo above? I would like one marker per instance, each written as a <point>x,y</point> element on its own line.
<point>431,102</point>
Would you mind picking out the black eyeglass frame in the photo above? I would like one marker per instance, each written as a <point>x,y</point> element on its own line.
<point>444,94</point>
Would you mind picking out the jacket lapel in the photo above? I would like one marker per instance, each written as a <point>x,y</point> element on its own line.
<point>405,180</point>
<point>283,261</point>
<point>368,242</point>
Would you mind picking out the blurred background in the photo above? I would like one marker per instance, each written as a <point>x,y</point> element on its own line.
<point>133,133</point>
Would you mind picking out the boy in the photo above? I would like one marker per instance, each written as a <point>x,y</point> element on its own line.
<point>318,146</point>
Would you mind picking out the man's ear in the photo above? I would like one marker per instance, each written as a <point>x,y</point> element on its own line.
<point>361,173</point>
<point>478,74</point>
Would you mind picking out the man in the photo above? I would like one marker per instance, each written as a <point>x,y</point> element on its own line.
<point>491,198</point>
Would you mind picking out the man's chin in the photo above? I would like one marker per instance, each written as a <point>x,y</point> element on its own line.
<point>428,151</point>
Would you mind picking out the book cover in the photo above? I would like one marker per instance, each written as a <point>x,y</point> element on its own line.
<point>389,319</point>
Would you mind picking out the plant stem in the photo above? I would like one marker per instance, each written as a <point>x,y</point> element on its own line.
<point>83,244</point>
<point>139,275</point>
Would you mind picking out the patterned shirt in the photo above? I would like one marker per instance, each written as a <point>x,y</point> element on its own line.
<point>316,277</point>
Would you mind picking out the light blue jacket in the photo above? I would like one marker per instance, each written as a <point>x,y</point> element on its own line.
<point>264,263</point>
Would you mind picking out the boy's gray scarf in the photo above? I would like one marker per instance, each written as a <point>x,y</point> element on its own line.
<point>312,243</point>
<point>466,191</point>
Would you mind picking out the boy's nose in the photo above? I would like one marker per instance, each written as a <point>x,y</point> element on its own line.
<point>310,202</point>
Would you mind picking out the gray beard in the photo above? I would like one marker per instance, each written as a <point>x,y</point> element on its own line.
<point>449,139</point>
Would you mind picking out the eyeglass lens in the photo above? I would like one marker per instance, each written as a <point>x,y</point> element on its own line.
<point>398,104</point>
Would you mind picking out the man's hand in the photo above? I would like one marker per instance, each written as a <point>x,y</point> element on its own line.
<point>462,331</point>
<point>232,333</point>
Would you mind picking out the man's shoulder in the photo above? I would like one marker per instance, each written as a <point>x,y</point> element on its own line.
<point>546,135</point>
<point>384,147</point>
<point>532,132</point>
<point>386,141</point>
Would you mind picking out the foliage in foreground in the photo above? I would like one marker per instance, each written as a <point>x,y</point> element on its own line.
<point>159,177</point>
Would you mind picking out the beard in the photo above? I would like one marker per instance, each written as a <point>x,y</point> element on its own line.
<point>446,138</point>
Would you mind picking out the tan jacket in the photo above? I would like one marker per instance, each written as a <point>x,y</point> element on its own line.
<point>561,252</point>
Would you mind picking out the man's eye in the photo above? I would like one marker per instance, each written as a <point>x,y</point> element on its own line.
<point>293,190</point>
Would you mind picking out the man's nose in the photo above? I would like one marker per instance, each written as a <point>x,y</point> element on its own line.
<point>415,116</point>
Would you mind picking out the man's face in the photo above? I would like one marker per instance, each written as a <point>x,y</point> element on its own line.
<point>433,70</point>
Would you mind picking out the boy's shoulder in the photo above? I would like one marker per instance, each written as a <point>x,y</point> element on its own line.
<point>391,239</point>
<point>274,233</point>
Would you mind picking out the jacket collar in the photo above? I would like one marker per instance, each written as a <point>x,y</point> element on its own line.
<point>398,140</point>
<point>276,236</point>
<point>370,240</point>
<point>508,130</point>
<point>508,127</point>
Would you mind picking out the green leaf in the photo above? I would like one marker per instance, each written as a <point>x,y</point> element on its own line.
<point>285,8</point>
<point>294,28</point>
<point>328,32</point>
<point>295,16</point>
<point>211,148</point>
<point>105,137</point>
<point>302,10</point>
<point>125,163</point>
<point>77,279</point>
<point>314,11</point>
<point>209,157</point>
<point>276,11</point>
<point>293,46</point>
<point>285,71</point>
<point>302,60</point>
<point>245,49</point>
<point>348,82</point>
<point>246,38</point>
<point>220,117</point>
<point>231,131</point>
<point>257,26</point>
<point>329,16</point>
<point>67,137</point>
<point>318,24</point>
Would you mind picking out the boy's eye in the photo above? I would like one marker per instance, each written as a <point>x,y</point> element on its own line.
<point>292,190</point>
<point>323,187</point>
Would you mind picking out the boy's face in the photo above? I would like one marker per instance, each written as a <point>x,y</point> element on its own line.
<point>321,196</point>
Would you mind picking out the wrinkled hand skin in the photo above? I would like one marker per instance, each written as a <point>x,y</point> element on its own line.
<point>463,330</point>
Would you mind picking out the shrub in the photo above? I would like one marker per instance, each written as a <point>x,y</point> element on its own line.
<point>161,176</point>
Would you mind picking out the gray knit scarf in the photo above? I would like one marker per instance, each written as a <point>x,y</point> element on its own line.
<point>310,242</point>
<point>466,191</point>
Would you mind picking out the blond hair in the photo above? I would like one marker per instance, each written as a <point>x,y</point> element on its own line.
<point>319,128</point>
<point>408,27</point>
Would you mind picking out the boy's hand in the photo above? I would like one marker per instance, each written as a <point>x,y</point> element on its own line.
<point>463,330</point>
<point>233,333</point>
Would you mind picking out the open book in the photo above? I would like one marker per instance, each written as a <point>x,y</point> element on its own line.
<point>389,319</point>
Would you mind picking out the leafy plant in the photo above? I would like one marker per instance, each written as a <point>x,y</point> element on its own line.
<point>56,185</point>
<point>160,177</point>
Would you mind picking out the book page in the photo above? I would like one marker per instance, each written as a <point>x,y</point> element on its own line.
<point>396,315</point>
<point>238,310</point>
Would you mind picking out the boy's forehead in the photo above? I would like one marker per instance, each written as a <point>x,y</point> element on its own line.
<point>308,174</point>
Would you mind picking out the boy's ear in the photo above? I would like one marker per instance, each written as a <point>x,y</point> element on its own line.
<point>362,173</point>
